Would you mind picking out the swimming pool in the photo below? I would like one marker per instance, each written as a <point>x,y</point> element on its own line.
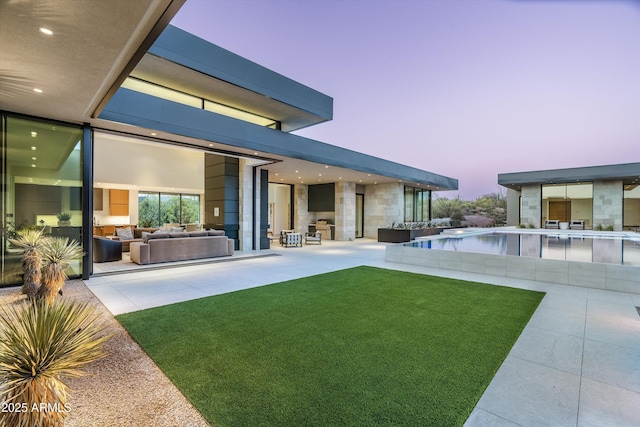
<point>610,261</point>
<point>568,247</point>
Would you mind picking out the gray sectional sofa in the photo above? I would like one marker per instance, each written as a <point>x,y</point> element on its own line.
<point>164,247</point>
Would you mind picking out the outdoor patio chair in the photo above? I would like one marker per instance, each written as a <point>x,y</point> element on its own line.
<point>313,238</point>
<point>577,224</point>
<point>552,223</point>
<point>292,239</point>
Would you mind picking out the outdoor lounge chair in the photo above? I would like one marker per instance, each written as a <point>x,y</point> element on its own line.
<point>576,224</point>
<point>552,223</point>
<point>292,239</point>
<point>313,238</point>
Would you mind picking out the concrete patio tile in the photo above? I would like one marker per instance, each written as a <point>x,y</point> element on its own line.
<point>549,348</point>
<point>561,321</point>
<point>480,418</point>
<point>612,364</point>
<point>565,303</point>
<point>530,394</point>
<point>620,328</point>
<point>606,405</point>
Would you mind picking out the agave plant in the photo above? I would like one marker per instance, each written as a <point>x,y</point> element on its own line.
<point>41,345</point>
<point>56,253</point>
<point>31,242</point>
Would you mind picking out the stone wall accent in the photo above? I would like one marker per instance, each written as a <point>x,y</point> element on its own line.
<point>383,204</point>
<point>607,204</point>
<point>345,211</point>
<point>301,215</point>
<point>531,205</point>
<point>245,233</point>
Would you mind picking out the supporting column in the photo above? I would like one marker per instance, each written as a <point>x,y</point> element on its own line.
<point>345,211</point>
<point>531,208</point>
<point>246,183</point>
<point>301,216</point>
<point>221,195</point>
<point>607,204</point>
<point>383,204</point>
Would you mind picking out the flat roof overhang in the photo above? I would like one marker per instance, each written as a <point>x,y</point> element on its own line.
<point>189,64</point>
<point>629,173</point>
<point>92,45</point>
<point>294,158</point>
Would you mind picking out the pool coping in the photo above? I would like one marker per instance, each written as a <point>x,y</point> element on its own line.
<point>621,278</point>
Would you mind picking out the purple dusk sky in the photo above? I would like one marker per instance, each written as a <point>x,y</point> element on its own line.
<point>466,89</point>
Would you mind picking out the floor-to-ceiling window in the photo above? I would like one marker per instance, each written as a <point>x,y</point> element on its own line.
<point>566,202</point>
<point>631,208</point>
<point>41,186</point>
<point>417,204</point>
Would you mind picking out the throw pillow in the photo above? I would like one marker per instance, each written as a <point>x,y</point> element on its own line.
<point>125,233</point>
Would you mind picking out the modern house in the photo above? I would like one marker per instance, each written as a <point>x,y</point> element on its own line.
<point>601,196</point>
<point>107,112</point>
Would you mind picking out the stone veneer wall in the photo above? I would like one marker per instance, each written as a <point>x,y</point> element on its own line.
<point>345,211</point>
<point>531,205</point>
<point>383,204</point>
<point>245,178</point>
<point>301,216</point>
<point>607,203</point>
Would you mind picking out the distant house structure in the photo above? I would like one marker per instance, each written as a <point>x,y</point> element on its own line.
<point>601,196</point>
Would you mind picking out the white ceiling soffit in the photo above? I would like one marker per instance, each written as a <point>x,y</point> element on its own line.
<point>92,43</point>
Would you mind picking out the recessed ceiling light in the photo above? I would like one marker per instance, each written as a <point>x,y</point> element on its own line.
<point>153,134</point>
<point>319,174</point>
<point>299,177</point>
<point>296,171</point>
<point>33,158</point>
<point>210,145</point>
<point>46,31</point>
<point>36,90</point>
<point>326,166</point>
<point>34,134</point>
<point>255,153</point>
<point>276,174</point>
<point>33,148</point>
<point>33,166</point>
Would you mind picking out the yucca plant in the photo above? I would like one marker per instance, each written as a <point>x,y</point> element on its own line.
<point>30,241</point>
<point>41,345</point>
<point>56,254</point>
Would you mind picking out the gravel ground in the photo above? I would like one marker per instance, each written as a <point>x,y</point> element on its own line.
<point>125,388</point>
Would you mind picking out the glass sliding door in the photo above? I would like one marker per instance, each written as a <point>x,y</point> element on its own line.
<point>359,215</point>
<point>566,202</point>
<point>631,208</point>
<point>417,204</point>
<point>41,181</point>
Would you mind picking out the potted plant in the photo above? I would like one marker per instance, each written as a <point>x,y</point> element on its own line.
<point>64,218</point>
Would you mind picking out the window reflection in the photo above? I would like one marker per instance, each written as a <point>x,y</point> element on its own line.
<point>43,186</point>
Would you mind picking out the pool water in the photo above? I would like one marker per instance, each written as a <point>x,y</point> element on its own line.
<point>569,247</point>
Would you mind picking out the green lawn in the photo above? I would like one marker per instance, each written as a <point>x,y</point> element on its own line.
<point>363,346</point>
